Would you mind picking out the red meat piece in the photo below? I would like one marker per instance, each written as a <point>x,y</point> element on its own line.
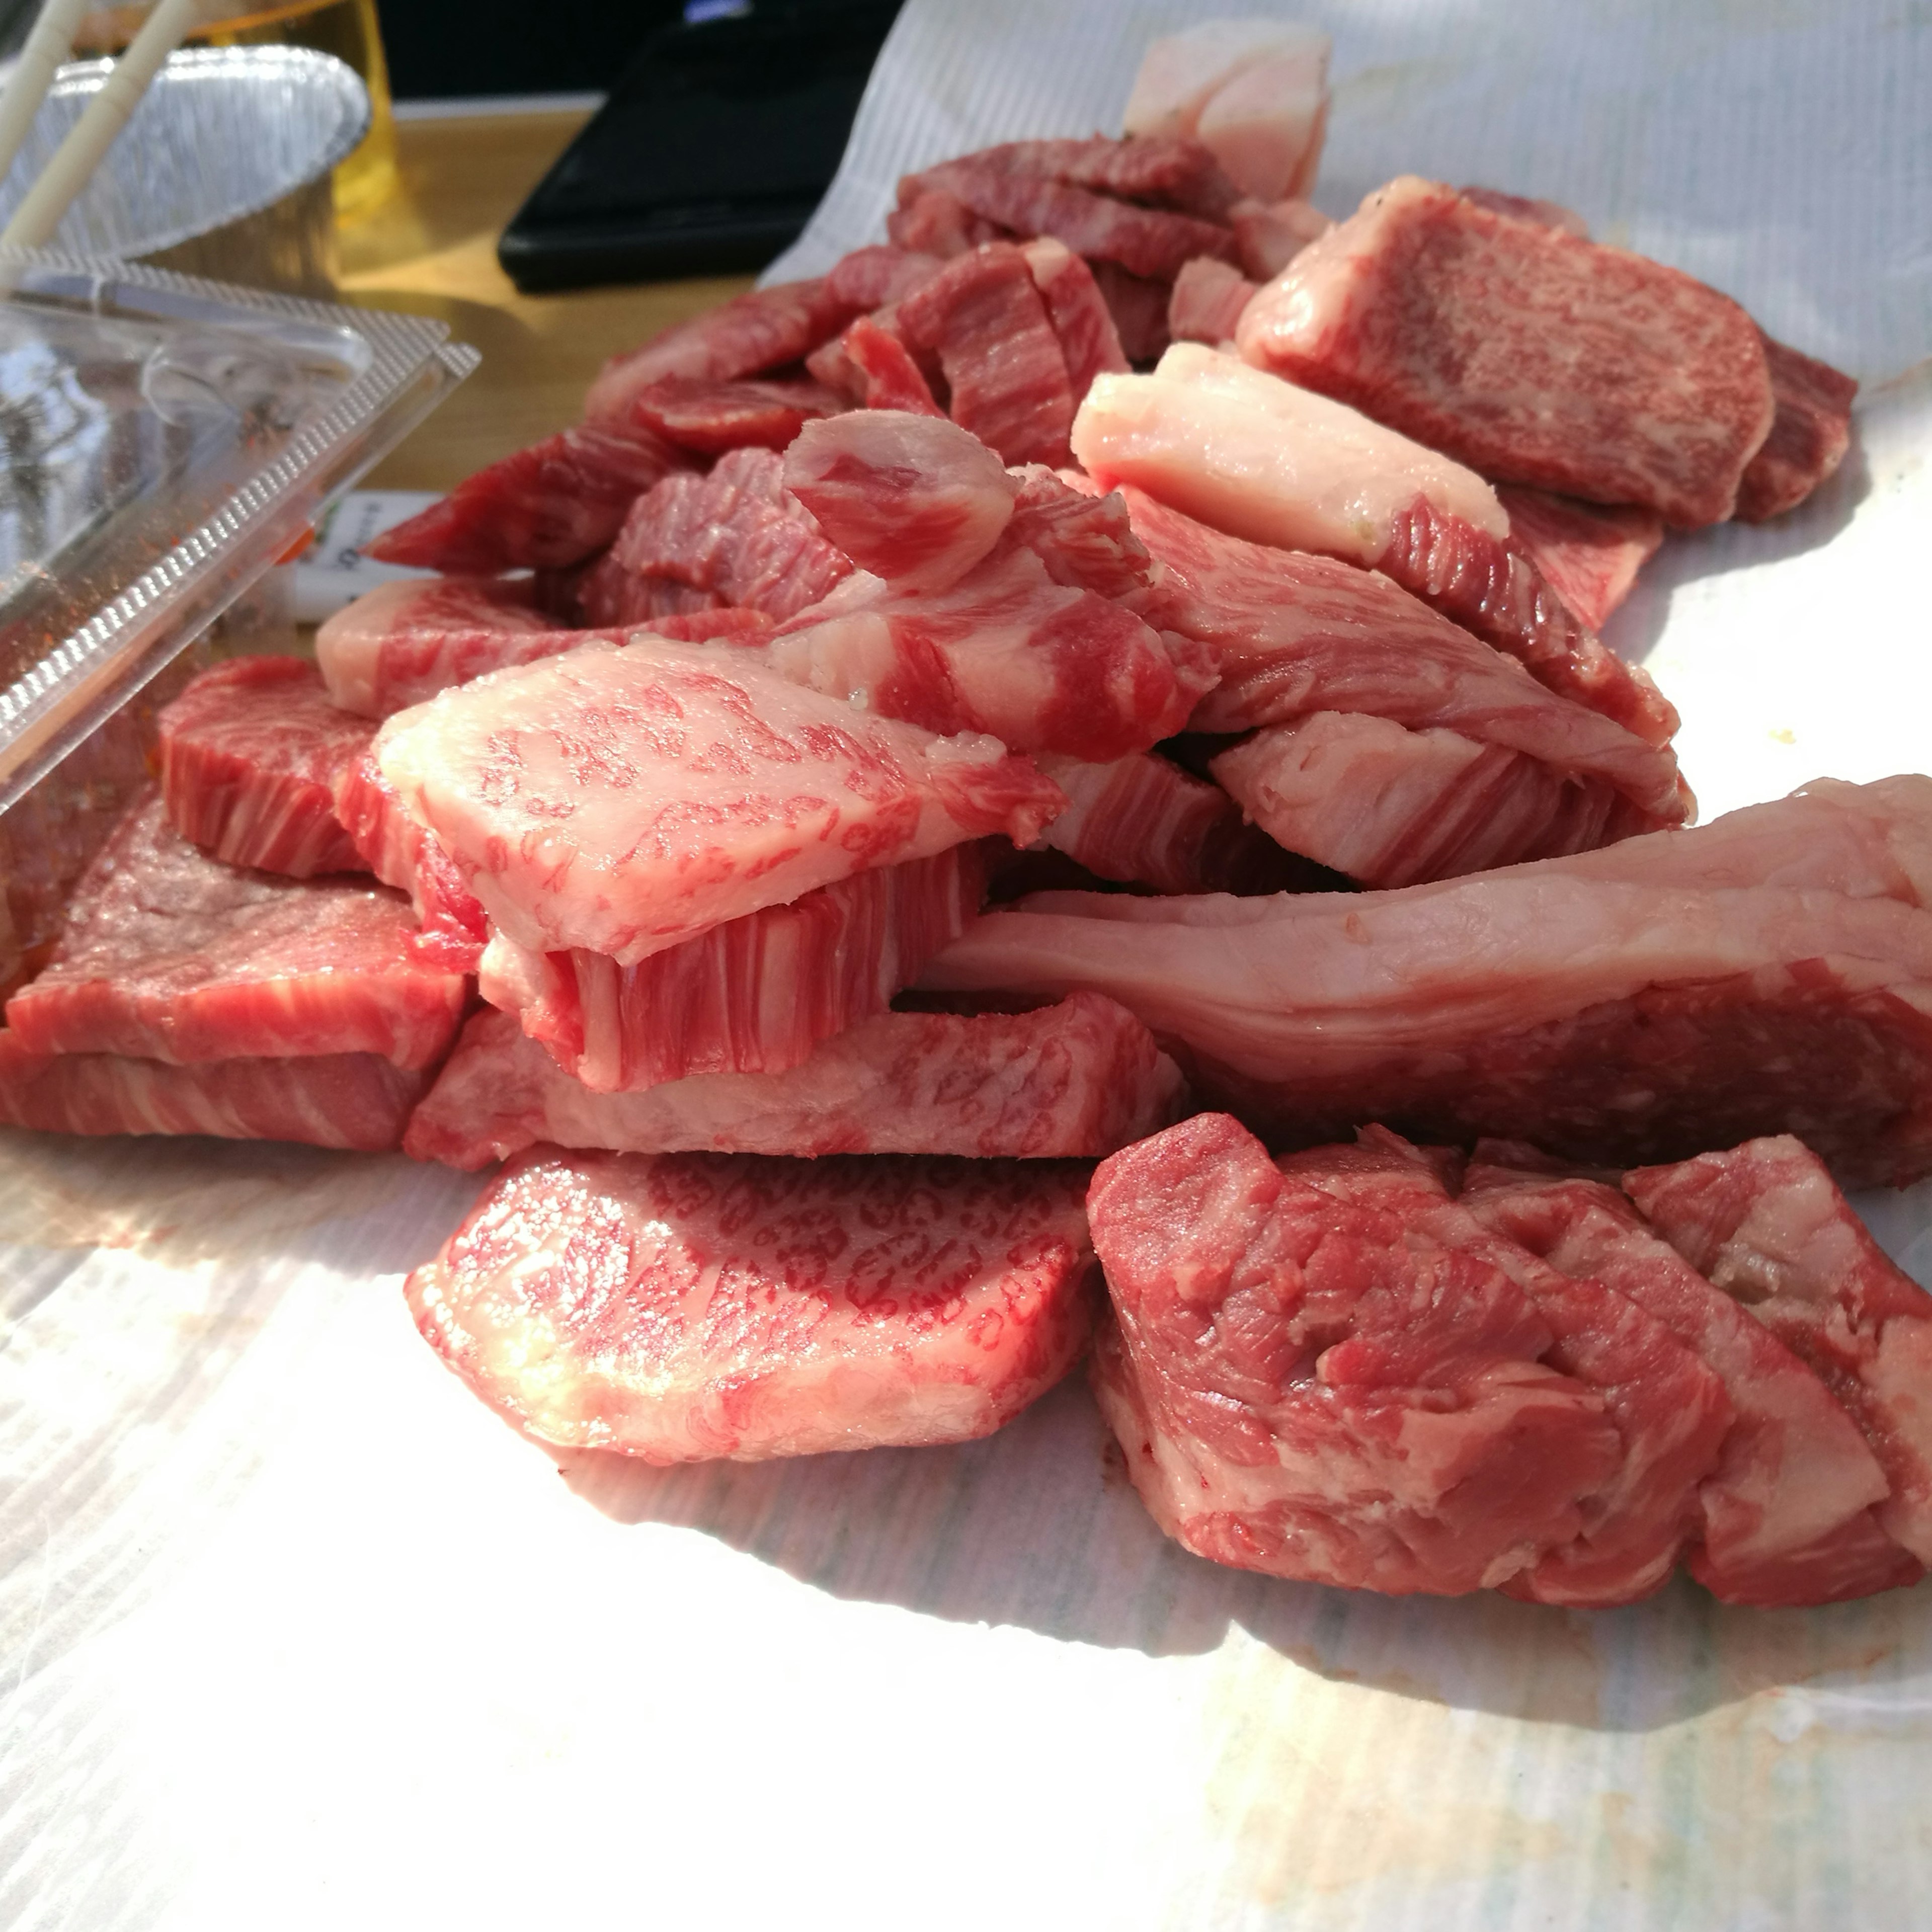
<point>1765,1223</point>
<point>1089,343</point>
<point>883,370</point>
<point>936,222</point>
<point>1164,171</point>
<point>984,318</point>
<point>249,753</point>
<point>171,956</point>
<point>1139,306</point>
<point>1529,355</point>
<point>872,278</point>
<point>755,995</point>
<point>1310,1388</point>
<point>680,1307</point>
<point>697,413</point>
<point>1589,554</point>
<point>1268,234</point>
<point>354,1100</point>
<point>542,509</point>
<point>1079,1079</point>
<point>1207,300</point>
<point>1809,435</point>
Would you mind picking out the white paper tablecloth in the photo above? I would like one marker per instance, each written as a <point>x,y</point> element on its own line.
<point>294,1633</point>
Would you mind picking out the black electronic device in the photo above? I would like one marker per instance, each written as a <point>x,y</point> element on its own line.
<point>715,145</point>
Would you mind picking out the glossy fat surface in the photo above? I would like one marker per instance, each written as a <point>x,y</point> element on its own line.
<point>624,799</point>
<point>685,1306</point>
<point>169,954</point>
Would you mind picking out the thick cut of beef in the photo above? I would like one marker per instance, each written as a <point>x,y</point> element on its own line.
<point>1046,666</point>
<point>1809,434</point>
<point>1589,554</point>
<point>913,499</point>
<point>541,509</point>
<point>1765,1223</point>
<point>1162,171</point>
<point>1142,820</point>
<point>873,370</point>
<point>354,1100</point>
<point>1088,340</point>
<point>249,753</point>
<point>1144,241</point>
<point>403,642</point>
<point>755,995</point>
<point>985,320</point>
<point>759,330</point>
<point>169,954</point>
<point>1254,92</point>
<point>1530,355</point>
<point>623,800</point>
<point>681,1307</point>
<point>1388,806</point>
<point>1207,300</point>
<point>1076,1080</point>
<point>1263,460</point>
<point>1310,1388</point>
<point>1769,973</point>
<point>735,535</point>
<point>1086,539</point>
<point>709,417</point>
<point>1292,634</point>
<point>1786,1513</point>
<point>453,928</point>
<point>1670,1411</point>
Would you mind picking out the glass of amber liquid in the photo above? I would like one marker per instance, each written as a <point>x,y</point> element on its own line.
<point>346,29</point>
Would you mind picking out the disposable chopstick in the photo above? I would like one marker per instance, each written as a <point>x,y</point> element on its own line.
<point>49,43</point>
<point>77,157</point>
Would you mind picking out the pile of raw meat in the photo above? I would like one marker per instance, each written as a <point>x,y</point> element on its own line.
<point>1123,646</point>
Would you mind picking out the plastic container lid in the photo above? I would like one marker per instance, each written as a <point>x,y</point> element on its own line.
<point>165,441</point>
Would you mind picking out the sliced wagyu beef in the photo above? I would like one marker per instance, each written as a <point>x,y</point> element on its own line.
<point>1250,454</point>
<point>1077,1079</point>
<point>544,508</point>
<point>681,1307</point>
<point>1765,1223</point>
<point>358,1101</point>
<point>1787,1512</point>
<point>755,995</point>
<point>1809,435</point>
<point>250,754</point>
<point>1529,354</point>
<point>624,799</point>
<point>1589,554</point>
<point>708,417</point>
<point>170,955</point>
<point>1308,1386</point>
<point>1769,973</point>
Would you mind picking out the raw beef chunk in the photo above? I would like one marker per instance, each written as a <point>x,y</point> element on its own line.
<point>249,754</point>
<point>735,535</point>
<point>910,498</point>
<point>171,956</point>
<point>682,1307</point>
<point>403,642</point>
<point>1531,356</point>
<point>1143,820</point>
<point>1589,554</point>
<point>871,278</point>
<point>1079,1079</point>
<point>356,1100</point>
<point>761,329</point>
<point>1139,305</point>
<point>1270,234</point>
<point>934,222</point>
<point>1766,1224</point>
<point>624,799</point>
<point>1809,435</point>
<point>875,370</point>
<point>1388,806</point>
<point>983,318</point>
<point>1769,973</point>
<point>1310,1388</point>
<point>554,504</point>
<point>1207,300</point>
<point>1162,172</point>
<point>1088,340</point>
<point>1293,634</point>
<point>1263,460</point>
<point>755,995</point>
<point>1787,1511</point>
<point>697,413</point>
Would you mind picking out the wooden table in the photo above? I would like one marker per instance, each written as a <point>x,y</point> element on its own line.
<point>432,250</point>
